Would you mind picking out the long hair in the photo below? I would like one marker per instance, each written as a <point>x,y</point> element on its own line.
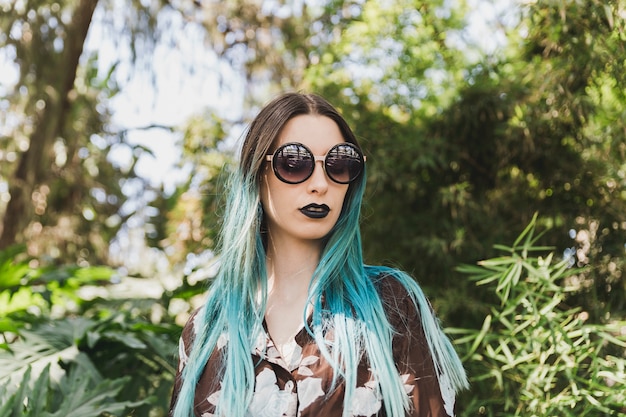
<point>233,313</point>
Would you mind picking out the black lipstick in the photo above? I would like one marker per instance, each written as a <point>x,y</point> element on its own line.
<point>315,211</point>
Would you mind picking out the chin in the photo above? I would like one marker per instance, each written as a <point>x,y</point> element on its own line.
<point>316,236</point>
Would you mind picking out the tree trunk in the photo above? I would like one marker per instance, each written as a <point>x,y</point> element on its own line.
<point>34,165</point>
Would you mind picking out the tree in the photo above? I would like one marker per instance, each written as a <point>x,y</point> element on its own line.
<point>64,196</point>
<point>463,148</point>
<point>462,154</point>
<point>48,105</point>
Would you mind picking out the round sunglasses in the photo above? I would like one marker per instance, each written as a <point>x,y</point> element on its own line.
<point>294,163</point>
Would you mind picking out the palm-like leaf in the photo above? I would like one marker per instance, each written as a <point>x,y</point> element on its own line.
<point>76,394</point>
<point>52,345</point>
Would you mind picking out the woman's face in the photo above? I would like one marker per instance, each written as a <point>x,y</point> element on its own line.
<point>310,209</point>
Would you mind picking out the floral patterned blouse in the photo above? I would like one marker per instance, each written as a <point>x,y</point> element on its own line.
<point>300,386</point>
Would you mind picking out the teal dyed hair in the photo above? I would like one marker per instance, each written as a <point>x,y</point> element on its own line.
<point>352,306</point>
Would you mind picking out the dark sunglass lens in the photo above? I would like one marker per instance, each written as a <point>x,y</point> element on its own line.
<point>293,163</point>
<point>344,163</point>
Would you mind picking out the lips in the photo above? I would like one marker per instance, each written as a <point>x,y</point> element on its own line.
<point>315,211</point>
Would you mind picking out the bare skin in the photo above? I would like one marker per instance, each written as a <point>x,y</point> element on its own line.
<point>295,240</point>
<point>288,282</point>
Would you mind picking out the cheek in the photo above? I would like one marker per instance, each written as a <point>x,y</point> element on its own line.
<point>340,201</point>
<point>342,195</point>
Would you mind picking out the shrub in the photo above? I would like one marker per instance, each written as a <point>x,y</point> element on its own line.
<point>63,355</point>
<point>535,354</point>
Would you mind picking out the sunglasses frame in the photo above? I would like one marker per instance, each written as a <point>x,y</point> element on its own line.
<point>272,157</point>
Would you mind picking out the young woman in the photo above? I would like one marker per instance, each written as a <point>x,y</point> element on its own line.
<point>295,324</point>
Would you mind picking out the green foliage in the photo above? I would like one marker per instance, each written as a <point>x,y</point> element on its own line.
<point>536,354</point>
<point>66,195</point>
<point>194,213</point>
<point>64,353</point>
<point>462,152</point>
<point>395,55</point>
<point>463,147</point>
<point>76,395</point>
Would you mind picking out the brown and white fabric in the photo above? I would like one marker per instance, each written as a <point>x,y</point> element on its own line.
<point>298,383</point>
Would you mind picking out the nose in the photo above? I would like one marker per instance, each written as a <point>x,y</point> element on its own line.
<point>318,181</point>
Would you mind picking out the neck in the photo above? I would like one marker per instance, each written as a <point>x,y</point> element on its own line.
<point>290,265</point>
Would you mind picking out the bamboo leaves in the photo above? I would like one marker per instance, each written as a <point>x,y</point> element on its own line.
<point>540,354</point>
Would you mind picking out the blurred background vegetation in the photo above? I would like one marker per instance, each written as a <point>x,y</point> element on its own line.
<point>466,143</point>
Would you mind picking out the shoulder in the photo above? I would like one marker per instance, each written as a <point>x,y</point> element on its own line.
<point>389,285</point>
<point>394,286</point>
<point>396,296</point>
<point>190,330</point>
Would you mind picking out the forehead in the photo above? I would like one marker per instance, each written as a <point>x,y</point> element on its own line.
<point>318,133</point>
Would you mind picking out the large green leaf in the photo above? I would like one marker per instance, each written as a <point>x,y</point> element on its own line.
<point>12,272</point>
<point>50,344</point>
<point>76,394</point>
<point>82,397</point>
